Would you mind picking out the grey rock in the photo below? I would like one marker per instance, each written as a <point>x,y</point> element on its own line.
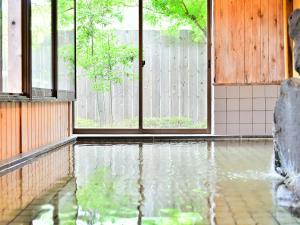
<point>294,32</point>
<point>286,130</point>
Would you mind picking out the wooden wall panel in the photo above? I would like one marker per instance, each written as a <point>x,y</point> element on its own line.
<point>47,121</point>
<point>29,125</point>
<point>249,41</point>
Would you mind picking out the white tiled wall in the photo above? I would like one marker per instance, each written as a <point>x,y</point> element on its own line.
<point>244,110</point>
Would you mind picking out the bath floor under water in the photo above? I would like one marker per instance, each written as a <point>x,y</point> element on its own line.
<point>201,183</point>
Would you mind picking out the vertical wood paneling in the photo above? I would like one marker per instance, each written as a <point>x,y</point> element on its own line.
<point>1,132</point>
<point>272,40</point>
<point>264,41</point>
<point>29,125</point>
<point>24,125</point>
<point>18,130</point>
<point>249,41</point>
<point>280,41</point>
<point>255,76</point>
<point>4,146</point>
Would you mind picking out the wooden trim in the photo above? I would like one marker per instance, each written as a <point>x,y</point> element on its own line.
<point>247,84</point>
<point>26,48</point>
<point>209,54</point>
<point>141,64</point>
<point>1,48</point>
<point>288,56</point>
<point>140,131</point>
<point>21,159</point>
<point>54,47</point>
<point>75,51</point>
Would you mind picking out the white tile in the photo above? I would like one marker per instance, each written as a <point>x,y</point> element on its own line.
<point>269,129</point>
<point>220,129</point>
<point>259,117</point>
<point>259,129</point>
<point>233,104</point>
<point>220,91</point>
<point>233,129</point>
<point>220,117</point>
<point>271,91</point>
<point>246,117</point>
<point>233,117</point>
<point>269,116</point>
<point>259,104</point>
<point>258,91</point>
<point>270,103</point>
<point>220,105</point>
<point>278,92</point>
<point>246,91</point>
<point>246,104</point>
<point>233,91</point>
<point>246,129</point>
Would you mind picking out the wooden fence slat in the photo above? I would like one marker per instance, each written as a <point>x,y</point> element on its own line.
<point>156,76</point>
<point>165,77</point>
<point>184,75</point>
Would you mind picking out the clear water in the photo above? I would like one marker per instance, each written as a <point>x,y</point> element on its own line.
<point>223,183</point>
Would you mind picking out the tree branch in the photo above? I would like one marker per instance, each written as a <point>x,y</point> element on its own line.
<point>193,18</point>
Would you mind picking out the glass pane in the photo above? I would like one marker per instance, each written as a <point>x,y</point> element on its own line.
<point>175,74</point>
<point>41,44</point>
<point>107,64</point>
<point>11,48</point>
<point>65,42</point>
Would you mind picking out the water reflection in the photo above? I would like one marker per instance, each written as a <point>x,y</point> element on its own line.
<point>141,184</point>
<point>153,184</point>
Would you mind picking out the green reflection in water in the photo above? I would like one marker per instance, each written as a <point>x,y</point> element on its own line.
<point>105,200</point>
<point>175,217</point>
<point>102,200</point>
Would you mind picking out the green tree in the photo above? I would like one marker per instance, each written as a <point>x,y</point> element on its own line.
<point>179,13</point>
<point>103,60</point>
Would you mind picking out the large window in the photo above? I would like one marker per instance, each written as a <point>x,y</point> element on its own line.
<point>107,62</point>
<point>163,89</point>
<point>41,42</point>
<point>37,49</point>
<point>11,48</point>
<point>175,74</point>
<point>65,43</point>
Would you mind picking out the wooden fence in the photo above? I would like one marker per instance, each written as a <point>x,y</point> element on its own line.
<point>174,78</point>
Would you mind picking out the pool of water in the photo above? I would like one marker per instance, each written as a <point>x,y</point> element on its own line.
<point>201,183</point>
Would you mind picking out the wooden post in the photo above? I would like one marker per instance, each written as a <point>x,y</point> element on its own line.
<point>288,55</point>
<point>1,60</point>
<point>296,5</point>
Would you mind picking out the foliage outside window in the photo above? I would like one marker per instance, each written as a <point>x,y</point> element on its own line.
<point>41,44</point>
<point>175,15</point>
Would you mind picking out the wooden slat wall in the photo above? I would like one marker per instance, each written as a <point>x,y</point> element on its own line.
<point>28,125</point>
<point>249,41</point>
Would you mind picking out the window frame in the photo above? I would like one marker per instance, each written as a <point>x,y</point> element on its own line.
<point>141,129</point>
<point>30,93</point>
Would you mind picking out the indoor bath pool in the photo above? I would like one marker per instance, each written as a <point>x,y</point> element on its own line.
<point>199,183</point>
